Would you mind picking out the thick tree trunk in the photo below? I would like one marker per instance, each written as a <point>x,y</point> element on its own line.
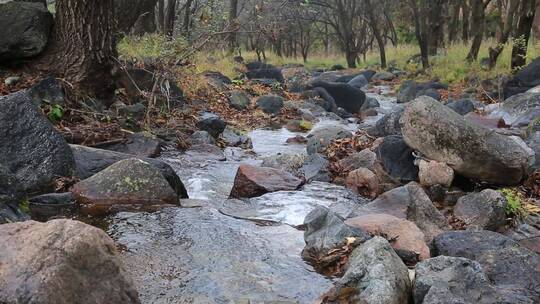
<point>478,27</point>
<point>83,47</point>
<point>420,29</point>
<point>131,12</point>
<point>435,24</point>
<point>495,52</point>
<point>523,33</point>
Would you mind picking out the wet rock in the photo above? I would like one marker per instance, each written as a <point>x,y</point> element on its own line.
<point>525,79</point>
<point>407,91</point>
<point>397,159</point>
<point>432,173</point>
<point>90,161</point>
<point>234,138</point>
<point>358,81</point>
<point>212,124</point>
<point>321,137</point>
<point>326,230</point>
<point>239,100</point>
<point>462,106</point>
<point>383,76</point>
<point>471,150</point>
<point>201,255</point>
<point>202,138</point>
<point>527,232</point>
<point>513,269</point>
<point>402,234</point>
<point>534,90</point>
<point>141,144</point>
<point>11,195</point>
<point>128,184</point>
<point>270,104</point>
<point>298,139</point>
<point>315,168</point>
<point>371,103</point>
<point>61,261</point>
<point>363,159</point>
<point>364,182</point>
<point>483,210</point>
<point>26,29</point>
<point>452,280</point>
<point>47,206</point>
<point>519,110</point>
<point>253,181</point>
<point>388,125</point>
<point>205,152</point>
<point>375,274</point>
<point>31,147</point>
<point>345,96</point>
<point>408,202</point>
<point>259,70</point>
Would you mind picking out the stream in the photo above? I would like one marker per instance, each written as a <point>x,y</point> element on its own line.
<point>216,250</point>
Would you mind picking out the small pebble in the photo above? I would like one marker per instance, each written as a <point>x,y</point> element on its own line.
<point>12,80</point>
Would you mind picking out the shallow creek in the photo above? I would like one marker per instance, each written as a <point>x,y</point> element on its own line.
<point>216,250</point>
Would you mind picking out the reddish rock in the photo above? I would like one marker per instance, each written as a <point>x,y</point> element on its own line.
<point>298,139</point>
<point>61,262</point>
<point>402,234</point>
<point>435,173</point>
<point>363,182</point>
<point>251,181</point>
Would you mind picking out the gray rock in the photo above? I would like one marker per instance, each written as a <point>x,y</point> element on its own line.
<point>430,93</point>
<point>26,27</point>
<point>12,80</point>
<point>141,144</point>
<point>212,124</point>
<point>515,270</point>
<point>286,162</point>
<point>136,111</point>
<point>315,168</point>
<point>321,137</point>
<point>48,91</point>
<point>90,161</point>
<point>363,159</point>
<point>471,150</point>
<point>525,79</point>
<point>371,103</point>
<point>377,274</point>
<point>31,147</point>
<point>326,230</point>
<point>484,210</point>
<point>462,106</point>
<point>270,104</point>
<point>449,280</point>
<point>234,138</point>
<point>358,81</point>
<point>202,138</point>
<point>239,100</point>
<point>11,195</point>
<point>383,76</point>
<point>129,184</point>
<point>397,159</point>
<point>61,262</point>
<point>388,125</point>
<point>259,70</point>
<point>527,232</point>
<point>407,91</point>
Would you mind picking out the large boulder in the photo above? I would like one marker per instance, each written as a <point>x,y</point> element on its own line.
<point>534,143</point>
<point>358,81</point>
<point>524,80</point>
<point>388,124</point>
<point>406,235</point>
<point>410,90</point>
<point>452,280</point>
<point>345,96</point>
<point>11,195</point>
<point>375,274</point>
<point>128,184</point>
<point>239,100</point>
<point>483,210</point>
<point>519,110</point>
<point>514,269</point>
<point>61,262</point>
<point>259,70</point>
<point>251,181</point>
<point>90,161</point>
<point>321,137</point>
<point>462,106</point>
<point>26,27</point>
<point>397,159</point>
<point>211,123</point>
<point>31,147</point>
<point>471,150</point>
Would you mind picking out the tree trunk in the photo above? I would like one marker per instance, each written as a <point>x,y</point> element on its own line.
<point>494,52</point>
<point>466,15</point>
<point>132,12</point>
<point>376,32</point>
<point>435,24</point>
<point>478,27</point>
<point>187,19</point>
<point>83,47</point>
<point>420,28</point>
<point>523,33</point>
<point>233,25</point>
<point>169,18</point>
<point>453,25</point>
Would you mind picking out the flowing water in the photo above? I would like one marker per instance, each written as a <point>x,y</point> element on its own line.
<point>228,251</point>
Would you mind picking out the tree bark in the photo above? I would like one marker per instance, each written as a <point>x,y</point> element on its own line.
<point>466,15</point>
<point>131,11</point>
<point>478,26</point>
<point>83,46</point>
<point>233,25</point>
<point>187,19</point>
<point>420,29</point>
<point>523,33</point>
<point>376,32</point>
<point>494,52</point>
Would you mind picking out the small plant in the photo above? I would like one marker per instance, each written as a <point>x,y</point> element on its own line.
<point>56,112</point>
<point>237,82</point>
<point>515,205</point>
<point>306,125</point>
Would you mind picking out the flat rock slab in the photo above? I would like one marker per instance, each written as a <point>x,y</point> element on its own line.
<point>251,181</point>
